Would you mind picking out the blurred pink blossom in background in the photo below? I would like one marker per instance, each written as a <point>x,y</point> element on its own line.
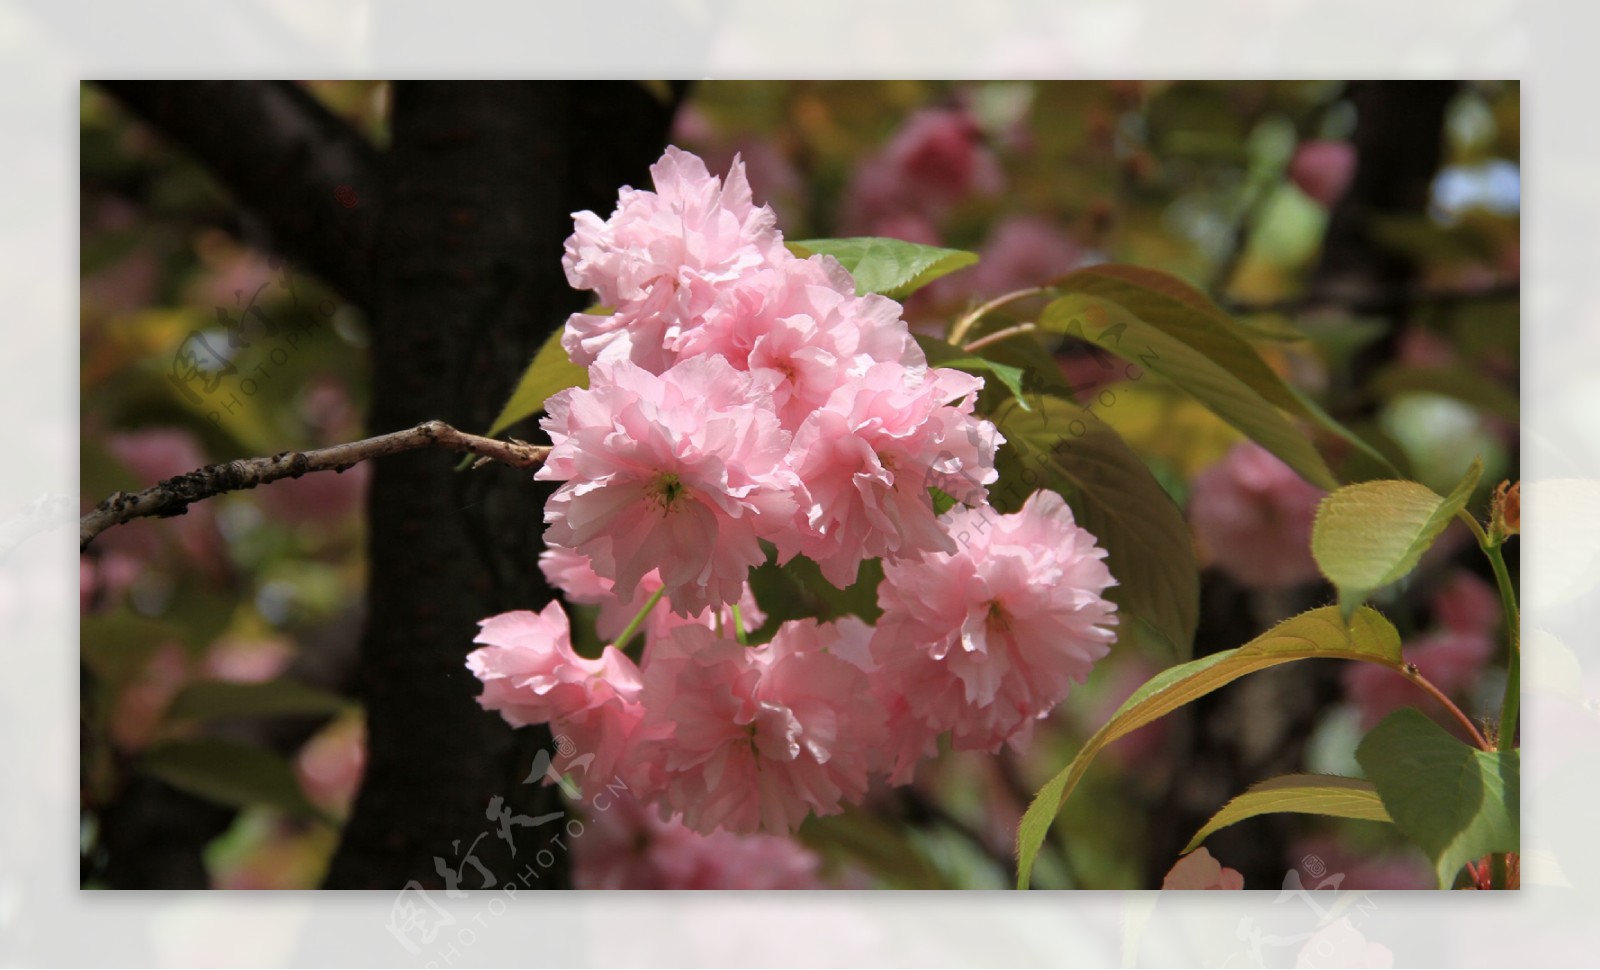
<point>1252,515</point>
<point>936,160</point>
<point>1323,169</point>
<point>330,765</point>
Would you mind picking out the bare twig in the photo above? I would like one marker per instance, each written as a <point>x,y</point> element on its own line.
<point>173,496</point>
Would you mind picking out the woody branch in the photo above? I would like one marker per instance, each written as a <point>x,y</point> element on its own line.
<point>174,495</point>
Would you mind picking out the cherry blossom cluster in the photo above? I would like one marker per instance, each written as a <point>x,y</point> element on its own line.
<point>744,403</point>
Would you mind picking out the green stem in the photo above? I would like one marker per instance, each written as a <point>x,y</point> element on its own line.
<point>959,331</point>
<point>638,620</point>
<point>1508,601</point>
<point>738,627</point>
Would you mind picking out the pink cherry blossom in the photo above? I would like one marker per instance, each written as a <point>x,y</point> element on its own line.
<point>573,574</point>
<point>743,739</point>
<point>772,175</point>
<point>984,640</point>
<point>531,675</point>
<point>1198,870</point>
<point>802,325</point>
<point>909,739</point>
<point>627,845</point>
<point>682,472</point>
<point>1253,517</point>
<point>868,456</point>
<point>662,258</point>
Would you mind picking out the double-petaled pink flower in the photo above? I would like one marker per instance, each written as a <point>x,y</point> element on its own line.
<point>572,573</point>
<point>756,738</point>
<point>682,472</point>
<point>663,258</point>
<point>740,396</point>
<point>867,457</point>
<point>985,640</point>
<point>531,675</point>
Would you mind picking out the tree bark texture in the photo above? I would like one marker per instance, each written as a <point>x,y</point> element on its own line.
<point>477,193</point>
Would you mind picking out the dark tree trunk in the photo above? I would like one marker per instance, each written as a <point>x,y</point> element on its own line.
<point>477,194</point>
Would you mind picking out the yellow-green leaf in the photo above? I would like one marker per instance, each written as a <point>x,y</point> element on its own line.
<point>1304,794</point>
<point>1162,323</point>
<point>1367,536</point>
<point>551,371</point>
<point>1320,633</point>
<point>892,267</point>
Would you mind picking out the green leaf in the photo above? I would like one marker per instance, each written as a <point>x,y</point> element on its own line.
<point>942,501</point>
<point>1064,447</point>
<point>1455,802</point>
<point>943,354</point>
<point>208,699</point>
<point>1305,794</point>
<point>889,266</point>
<point>551,371</point>
<point>1320,633</point>
<point>228,773</point>
<point>859,599</point>
<point>1367,536</point>
<point>1160,322</point>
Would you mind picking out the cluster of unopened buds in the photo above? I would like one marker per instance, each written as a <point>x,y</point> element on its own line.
<point>744,404</point>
